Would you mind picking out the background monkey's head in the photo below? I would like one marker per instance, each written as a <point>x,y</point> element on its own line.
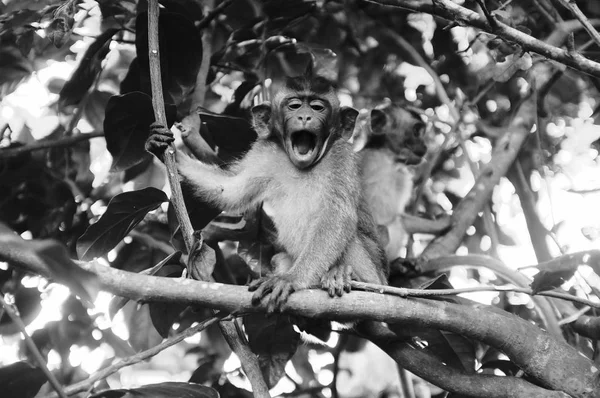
<point>306,117</point>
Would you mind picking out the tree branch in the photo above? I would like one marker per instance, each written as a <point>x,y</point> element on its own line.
<point>576,11</point>
<point>139,357</point>
<point>406,292</point>
<point>46,144</point>
<point>453,12</point>
<point>554,363</point>
<point>158,104</point>
<point>424,364</point>
<point>248,360</point>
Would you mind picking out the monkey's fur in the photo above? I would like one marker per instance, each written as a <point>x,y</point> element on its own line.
<point>304,170</point>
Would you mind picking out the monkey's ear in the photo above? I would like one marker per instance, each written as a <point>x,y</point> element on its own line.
<point>348,117</point>
<point>261,115</point>
<point>378,121</point>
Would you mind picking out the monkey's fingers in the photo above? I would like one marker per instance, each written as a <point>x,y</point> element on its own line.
<point>157,128</point>
<point>158,142</point>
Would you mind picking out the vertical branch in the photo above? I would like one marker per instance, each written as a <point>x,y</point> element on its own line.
<point>160,116</point>
<point>247,358</point>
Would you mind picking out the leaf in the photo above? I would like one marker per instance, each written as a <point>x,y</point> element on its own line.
<point>202,260</point>
<point>274,341</point>
<point>177,36</point>
<point>162,390</point>
<point>124,212</point>
<point>95,108</point>
<point>59,30</point>
<point>87,71</point>
<point>232,134</point>
<point>555,272</point>
<point>21,380</point>
<point>14,68</point>
<point>163,315</point>
<point>142,334</point>
<point>52,258</point>
<point>126,128</point>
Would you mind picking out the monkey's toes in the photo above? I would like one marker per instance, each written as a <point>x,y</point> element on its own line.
<point>337,281</point>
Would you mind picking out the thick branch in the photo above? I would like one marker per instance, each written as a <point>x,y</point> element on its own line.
<point>536,352</point>
<point>554,363</point>
<point>424,364</point>
<point>453,12</point>
<point>503,155</point>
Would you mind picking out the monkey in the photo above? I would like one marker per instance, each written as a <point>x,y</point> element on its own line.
<point>395,142</point>
<point>302,168</point>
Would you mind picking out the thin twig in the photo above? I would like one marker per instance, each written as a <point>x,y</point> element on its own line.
<point>213,14</point>
<point>491,20</point>
<point>406,292</point>
<point>46,144</point>
<point>141,356</point>
<point>13,313</point>
<point>576,11</point>
<point>452,11</point>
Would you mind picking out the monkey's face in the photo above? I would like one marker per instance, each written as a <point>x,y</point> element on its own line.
<point>306,118</point>
<point>305,129</point>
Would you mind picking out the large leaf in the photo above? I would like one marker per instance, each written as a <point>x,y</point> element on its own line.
<point>274,341</point>
<point>232,134</point>
<point>142,334</point>
<point>14,68</point>
<point>51,258</point>
<point>124,212</point>
<point>162,390</point>
<point>87,71</point>
<point>21,380</point>
<point>126,127</point>
<point>59,30</point>
<point>177,36</point>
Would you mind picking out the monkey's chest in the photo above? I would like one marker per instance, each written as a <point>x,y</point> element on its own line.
<point>295,213</point>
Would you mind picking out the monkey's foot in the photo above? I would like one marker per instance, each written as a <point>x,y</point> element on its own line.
<point>274,291</point>
<point>337,280</point>
<point>159,140</point>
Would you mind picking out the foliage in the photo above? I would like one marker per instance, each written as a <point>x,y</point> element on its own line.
<point>509,180</point>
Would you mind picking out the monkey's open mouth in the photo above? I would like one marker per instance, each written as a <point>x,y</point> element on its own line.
<point>304,142</point>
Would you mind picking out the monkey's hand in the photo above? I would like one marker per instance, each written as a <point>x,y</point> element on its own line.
<point>159,140</point>
<point>274,290</point>
<point>337,280</point>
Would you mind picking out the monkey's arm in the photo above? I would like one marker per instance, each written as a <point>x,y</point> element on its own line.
<point>235,189</point>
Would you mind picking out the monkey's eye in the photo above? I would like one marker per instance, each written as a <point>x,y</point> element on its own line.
<point>317,106</point>
<point>295,104</point>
